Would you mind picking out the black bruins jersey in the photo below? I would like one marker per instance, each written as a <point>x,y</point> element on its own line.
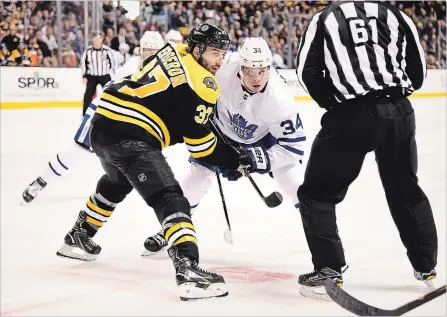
<point>168,101</point>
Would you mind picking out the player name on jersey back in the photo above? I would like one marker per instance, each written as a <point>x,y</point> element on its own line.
<point>173,66</point>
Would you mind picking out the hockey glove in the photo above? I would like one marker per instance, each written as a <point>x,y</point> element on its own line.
<point>231,175</point>
<point>256,160</point>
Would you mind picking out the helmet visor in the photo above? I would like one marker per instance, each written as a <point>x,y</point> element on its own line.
<point>258,72</point>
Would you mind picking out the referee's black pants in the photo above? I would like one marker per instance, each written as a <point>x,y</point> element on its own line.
<point>92,82</point>
<point>386,126</point>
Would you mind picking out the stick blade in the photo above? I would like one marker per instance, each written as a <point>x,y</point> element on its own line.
<point>338,295</point>
<point>228,236</point>
<point>273,200</point>
<point>355,306</point>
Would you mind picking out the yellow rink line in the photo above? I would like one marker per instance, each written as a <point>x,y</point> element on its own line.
<point>74,104</point>
<point>40,104</point>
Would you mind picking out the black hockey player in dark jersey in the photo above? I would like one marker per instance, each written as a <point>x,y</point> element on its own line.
<point>168,101</point>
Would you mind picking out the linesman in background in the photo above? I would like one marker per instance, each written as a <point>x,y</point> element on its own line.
<point>97,63</point>
<point>360,60</point>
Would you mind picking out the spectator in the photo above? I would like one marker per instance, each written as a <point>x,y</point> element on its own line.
<point>109,32</point>
<point>20,56</point>
<point>49,39</point>
<point>35,52</point>
<point>21,31</point>
<point>79,45</point>
<point>278,61</point>
<point>11,40</point>
<point>123,56</point>
<point>4,56</point>
<point>69,56</point>
<point>120,39</point>
<point>46,53</point>
<point>108,42</point>
<point>29,32</point>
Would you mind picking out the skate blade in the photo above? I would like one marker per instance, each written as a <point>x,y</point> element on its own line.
<point>147,253</point>
<point>190,292</point>
<point>75,253</point>
<point>315,292</point>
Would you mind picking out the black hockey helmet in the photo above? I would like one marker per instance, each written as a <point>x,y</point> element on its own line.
<point>207,35</point>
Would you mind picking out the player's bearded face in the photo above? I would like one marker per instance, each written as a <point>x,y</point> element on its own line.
<point>212,59</point>
<point>255,79</point>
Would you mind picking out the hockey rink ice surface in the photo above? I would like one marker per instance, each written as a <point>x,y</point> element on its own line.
<point>261,268</point>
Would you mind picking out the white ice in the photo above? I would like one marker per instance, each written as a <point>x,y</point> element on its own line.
<point>261,267</point>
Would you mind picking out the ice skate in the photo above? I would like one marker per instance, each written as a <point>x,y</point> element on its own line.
<point>194,282</point>
<point>78,244</point>
<point>155,244</point>
<point>427,278</point>
<point>312,284</point>
<point>32,190</point>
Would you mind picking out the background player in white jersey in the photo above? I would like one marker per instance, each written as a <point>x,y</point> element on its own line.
<point>257,112</point>
<point>77,151</point>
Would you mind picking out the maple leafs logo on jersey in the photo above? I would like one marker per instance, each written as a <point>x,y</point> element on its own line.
<point>241,127</point>
<point>210,83</point>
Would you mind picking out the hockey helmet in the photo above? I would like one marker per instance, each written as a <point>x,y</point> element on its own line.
<point>254,52</point>
<point>208,35</point>
<point>174,36</point>
<point>152,40</point>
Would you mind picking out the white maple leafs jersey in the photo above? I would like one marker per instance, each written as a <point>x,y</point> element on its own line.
<point>130,67</point>
<point>269,118</point>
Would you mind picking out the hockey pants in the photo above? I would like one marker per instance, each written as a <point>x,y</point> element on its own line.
<point>387,127</point>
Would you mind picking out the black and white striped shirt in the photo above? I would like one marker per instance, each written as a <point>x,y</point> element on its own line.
<point>98,62</point>
<point>354,47</point>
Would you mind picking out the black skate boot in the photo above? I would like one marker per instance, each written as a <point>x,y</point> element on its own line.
<point>427,278</point>
<point>155,244</point>
<point>194,282</point>
<point>32,190</point>
<point>312,284</point>
<point>78,244</point>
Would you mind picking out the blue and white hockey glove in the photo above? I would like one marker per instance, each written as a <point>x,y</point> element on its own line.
<point>254,159</point>
<point>257,159</point>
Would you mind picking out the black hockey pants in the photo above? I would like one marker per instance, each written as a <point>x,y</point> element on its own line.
<point>386,126</point>
<point>136,164</point>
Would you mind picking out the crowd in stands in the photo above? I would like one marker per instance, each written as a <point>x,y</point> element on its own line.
<point>28,28</point>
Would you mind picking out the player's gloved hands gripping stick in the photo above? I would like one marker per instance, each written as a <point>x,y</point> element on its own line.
<point>274,199</point>
<point>253,159</point>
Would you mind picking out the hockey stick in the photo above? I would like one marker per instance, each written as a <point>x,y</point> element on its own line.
<point>228,235</point>
<point>355,306</point>
<point>274,199</point>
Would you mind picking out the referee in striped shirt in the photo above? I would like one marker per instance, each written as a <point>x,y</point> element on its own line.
<point>97,63</point>
<point>360,60</point>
